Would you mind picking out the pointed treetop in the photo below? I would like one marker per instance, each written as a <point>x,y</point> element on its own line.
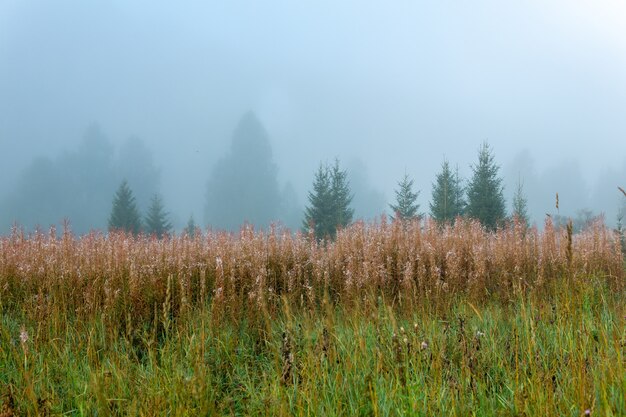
<point>520,203</point>
<point>124,215</point>
<point>485,190</point>
<point>448,201</point>
<point>405,207</point>
<point>157,222</point>
<point>191,227</point>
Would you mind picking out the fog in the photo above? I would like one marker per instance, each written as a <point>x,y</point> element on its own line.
<point>154,92</point>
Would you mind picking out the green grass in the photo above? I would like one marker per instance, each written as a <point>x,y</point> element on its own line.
<point>535,355</point>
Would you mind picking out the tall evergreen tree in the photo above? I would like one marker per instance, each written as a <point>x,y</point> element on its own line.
<point>244,186</point>
<point>447,196</point>
<point>124,215</point>
<point>485,191</point>
<point>520,203</point>
<point>156,219</point>
<point>191,227</point>
<point>318,214</point>
<point>406,207</point>
<point>330,199</point>
<point>341,196</point>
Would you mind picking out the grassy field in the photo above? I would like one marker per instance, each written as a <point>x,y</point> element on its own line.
<point>389,319</point>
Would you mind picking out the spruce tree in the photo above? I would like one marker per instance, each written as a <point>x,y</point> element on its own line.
<point>318,214</point>
<point>330,199</point>
<point>447,196</point>
<point>405,207</point>
<point>124,215</point>
<point>191,227</point>
<point>156,219</point>
<point>341,197</point>
<point>485,191</point>
<point>244,186</point>
<point>520,209</point>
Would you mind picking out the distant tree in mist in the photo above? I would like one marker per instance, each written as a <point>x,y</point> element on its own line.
<point>135,164</point>
<point>329,202</point>
<point>341,196</point>
<point>34,199</point>
<point>406,207</point>
<point>447,201</point>
<point>156,221</point>
<point>78,184</point>
<point>520,204</point>
<point>243,186</point>
<point>124,214</point>
<point>368,202</point>
<point>290,209</point>
<point>191,228</point>
<point>485,198</point>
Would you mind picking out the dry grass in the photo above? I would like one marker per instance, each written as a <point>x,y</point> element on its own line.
<point>118,275</point>
<point>517,322</point>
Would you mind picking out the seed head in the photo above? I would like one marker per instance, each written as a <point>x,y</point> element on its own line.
<point>424,345</point>
<point>23,335</point>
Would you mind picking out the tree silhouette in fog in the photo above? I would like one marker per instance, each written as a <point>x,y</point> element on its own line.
<point>156,221</point>
<point>243,186</point>
<point>124,214</point>
<point>78,184</point>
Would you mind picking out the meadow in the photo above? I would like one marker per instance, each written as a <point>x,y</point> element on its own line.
<point>388,319</point>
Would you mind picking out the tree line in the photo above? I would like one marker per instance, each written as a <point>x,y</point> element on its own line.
<point>242,187</point>
<point>330,198</point>
<point>482,199</point>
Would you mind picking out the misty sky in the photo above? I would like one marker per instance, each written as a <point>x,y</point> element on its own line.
<point>389,86</point>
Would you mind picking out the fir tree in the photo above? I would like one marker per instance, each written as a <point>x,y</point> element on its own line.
<point>318,215</point>
<point>520,209</point>
<point>330,199</point>
<point>405,207</point>
<point>124,215</point>
<point>485,191</point>
<point>156,219</point>
<point>191,227</point>
<point>244,186</point>
<point>447,196</point>
<point>341,197</point>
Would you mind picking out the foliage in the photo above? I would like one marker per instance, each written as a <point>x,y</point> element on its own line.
<point>135,163</point>
<point>485,199</point>
<point>243,186</point>
<point>124,214</point>
<point>406,207</point>
<point>156,222</point>
<point>448,201</point>
<point>520,204</point>
<point>329,202</point>
<point>341,196</point>
<point>77,185</point>
<point>191,228</point>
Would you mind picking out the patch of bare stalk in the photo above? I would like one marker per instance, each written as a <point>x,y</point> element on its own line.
<point>121,278</point>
